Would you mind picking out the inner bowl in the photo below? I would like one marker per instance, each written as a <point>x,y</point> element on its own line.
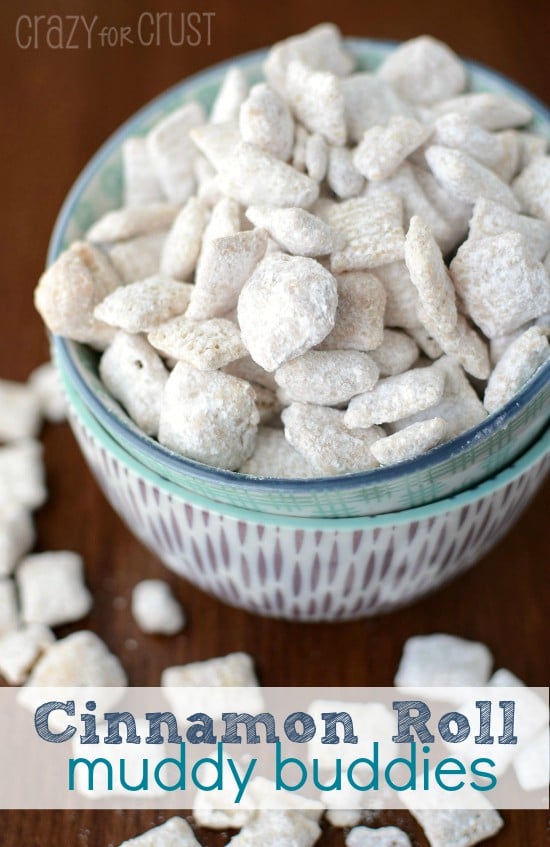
<point>452,467</point>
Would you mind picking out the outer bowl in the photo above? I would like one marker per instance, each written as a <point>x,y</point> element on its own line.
<point>452,467</point>
<point>299,568</point>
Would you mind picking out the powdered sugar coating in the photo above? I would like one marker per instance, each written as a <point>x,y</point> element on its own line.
<point>517,364</point>
<point>372,228</point>
<point>458,828</point>
<point>173,152</point>
<point>142,305</point>
<point>491,218</point>
<point>410,441</point>
<point>396,397</point>
<point>532,188</point>
<point>139,257</point>
<point>266,121</point>
<point>342,176</point>
<point>466,178</point>
<point>327,377</point>
<point>397,353</point>
<point>131,221</point>
<point>305,89</point>
<point>382,149</point>
<point>274,457</point>
<point>424,71</point>
<point>207,345</point>
<point>51,588</point>
<point>384,836</point>
<point>487,109</point>
<point>182,245</point>
<point>359,321</point>
<point>232,94</point>
<point>297,231</point>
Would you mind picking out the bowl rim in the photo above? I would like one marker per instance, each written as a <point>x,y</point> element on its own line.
<point>528,460</point>
<point>183,467</point>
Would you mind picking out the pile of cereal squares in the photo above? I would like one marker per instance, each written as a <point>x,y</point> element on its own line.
<point>334,270</point>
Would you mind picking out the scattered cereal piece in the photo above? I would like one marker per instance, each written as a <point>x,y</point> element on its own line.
<point>500,283</point>
<point>173,152</point>
<point>397,353</point>
<point>286,307</point>
<point>370,101</point>
<point>20,650</point>
<point>20,413</point>
<point>410,441</point>
<point>181,248</point>
<point>16,536</point>
<point>266,121</point>
<point>217,141</point>
<point>210,417</point>
<point>359,321</point>
<point>155,609</point>
<point>141,184</point>
<point>307,88</point>
<point>342,176</point>
<point>70,289</point>
<point>224,266</point>
<point>430,277</point>
<point>174,833</point>
<point>517,364</point>
<point>207,345</point>
<point>321,436</point>
<point>531,763</point>
<point>297,231</point>
<point>138,257</point>
<point>373,231</point>
<point>383,149</point>
<point>344,818</point>
<point>396,397</point>
<point>135,375</point>
<point>487,109</point>
<point>491,218</point>
<point>458,828</point>
<point>9,613</point>
<point>424,71</point>
<point>316,158</point>
<point>443,660</point>
<point>22,475</point>
<point>385,836</point>
<point>274,457</point>
<point>327,377</point>
<point>131,221</point>
<point>46,384</point>
<point>141,306</point>
<point>79,660</point>
<point>278,828</point>
<point>235,670</point>
<point>51,588</point>
<point>232,93</point>
<point>466,178</point>
<point>532,188</point>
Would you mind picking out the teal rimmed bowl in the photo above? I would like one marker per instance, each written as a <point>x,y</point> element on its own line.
<point>452,467</point>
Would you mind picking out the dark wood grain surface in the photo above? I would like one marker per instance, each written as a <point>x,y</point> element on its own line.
<point>57,106</point>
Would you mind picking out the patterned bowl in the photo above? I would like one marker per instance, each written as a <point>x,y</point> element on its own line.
<point>452,467</point>
<point>299,568</point>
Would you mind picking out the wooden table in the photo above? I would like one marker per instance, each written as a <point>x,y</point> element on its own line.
<point>57,106</point>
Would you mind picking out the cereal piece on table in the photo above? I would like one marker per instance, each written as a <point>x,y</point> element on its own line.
<point>517,364</point>
<point>425,341</point>
<point>491,218</point>
<point>532,188</point>
<point>297,231</point>
<point>424,71</point>
<point>218,809</point>
<point>267,403</point>
<point>70,289</point>
<point>342,176</point>
<point>247,368</point>
<point>453,211</point>
<point>232,93</point>
<point>172,151</point>
<point>316,158</point>
<point>223,267</point>
<point>410,441</point>
<point>22,475</point>
<point>430,276</point>
<point>9,612</point>
<point>321,436</point>
<point>343,818</point>
<point>51,588</point>
<point>531,763</point>
<point>384,836</point>
<point>131,221</point>
<point>531,146</point>
<point>210,417</point>
<point>305,90</point>
<point>135,375</point>
<point>373,231</point>
<point>143,305</point>
<point>46,384</point>
<point>140,182</point>
<point>457,827</point>
<point>321,48</point>
<point>383,148</point>
<point>443,660</point>
<point>16,536</point>
<point>370,101</point>
<point>278,828</point>
<point>79,660</point>
<point>266,121</point>
<point>397,353</point>
<point>138,257</point>
<point>20,413</point>
<point>402,301</point>
<point>254,177</point>
<point>395,397</point>
<point>458,132</point>
<point>181,248</point>
<point>20,649</point>
<point>174,833</point>
<point>327,377</point>
<point>500,283</point>
<point>301,138</point>
<point>207,345</point>
<point>285,308</point>
<point>274,457</point>
<point>466,178</point>
<point>217,141</point>
<point>155,609</point>
<point>225,220</point>
<point>236,670</point>
<point>487,109</point>
<point>359,321</point>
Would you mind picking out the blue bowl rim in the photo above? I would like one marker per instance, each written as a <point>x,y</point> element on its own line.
<point>181,465</point>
